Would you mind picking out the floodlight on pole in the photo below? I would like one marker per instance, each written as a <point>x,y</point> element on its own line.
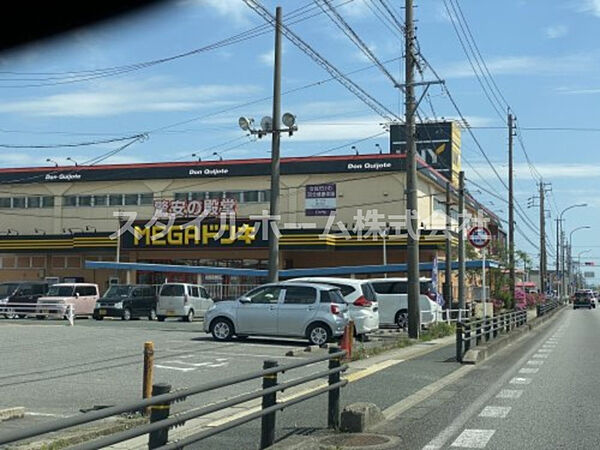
<point>52,161</point>
<point>245,123</point>
<point>72,160</point>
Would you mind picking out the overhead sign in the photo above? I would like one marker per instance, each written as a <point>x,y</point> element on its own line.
<point>320,199</point>
<point>479,237</point>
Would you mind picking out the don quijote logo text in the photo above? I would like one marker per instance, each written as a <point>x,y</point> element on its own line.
<point>62,177</point>
<point>208,172</point>
<point>369,166</point>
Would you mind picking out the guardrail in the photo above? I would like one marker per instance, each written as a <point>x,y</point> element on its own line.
<point>161,420</point>
<point>455,315</point>
<point>545,308</point>
<point>40,310</point>
<point>471,333</point>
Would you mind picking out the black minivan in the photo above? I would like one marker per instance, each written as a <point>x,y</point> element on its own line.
<point>127,301</point>
<point>18,298</point>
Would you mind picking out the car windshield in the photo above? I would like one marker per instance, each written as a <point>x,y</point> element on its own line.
<point>118,291</point>
<point>7,289</point>
<point>60,291</point>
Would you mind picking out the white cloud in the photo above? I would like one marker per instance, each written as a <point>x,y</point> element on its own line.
<point>235,10</point>
<point>556,31</point>
<point>268,57</point>
<point>116,98</point>
<point>591,6</point>
<point>547,170</point>
<point>528,65</point>
<point>338,130</point>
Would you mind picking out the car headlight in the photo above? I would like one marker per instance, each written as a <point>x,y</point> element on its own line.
<point>3,301</point>
<point>118,305</point>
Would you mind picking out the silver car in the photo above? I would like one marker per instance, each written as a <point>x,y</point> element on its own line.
<point>312,311</point>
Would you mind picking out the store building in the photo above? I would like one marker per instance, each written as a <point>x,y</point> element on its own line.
<point>335,210</point>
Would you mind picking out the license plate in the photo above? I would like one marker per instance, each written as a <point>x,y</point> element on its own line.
<point>170,313</point>
<point>102,312</point>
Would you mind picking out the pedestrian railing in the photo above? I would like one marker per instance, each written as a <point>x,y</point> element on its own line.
<point>473,332</point>
<point>161,419</point>
<point>548,307</point>
<point>455,315</point>
<point>14,310</point>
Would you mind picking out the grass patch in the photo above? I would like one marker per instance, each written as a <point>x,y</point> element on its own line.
<point>438,330</point>
<point>362,351</point>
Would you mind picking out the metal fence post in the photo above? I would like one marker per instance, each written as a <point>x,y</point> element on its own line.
<point>267,425</point>
<point>159,412</point>
<point>459,341</point>
<point>467,338</point>
<point>495,326</point>
<point>333,406</point>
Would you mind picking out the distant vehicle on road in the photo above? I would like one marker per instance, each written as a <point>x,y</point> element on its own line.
<point>82,296</point>
<point>21,293</point>
<point>127,301</point>
<point>392,294</point>
<point>291,309</point>
<point>582,299</point>
<point>361,300</point>
<point>182,300</point>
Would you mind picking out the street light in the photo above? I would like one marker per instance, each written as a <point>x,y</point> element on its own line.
<point>72,160</point>
<point>560,266</point>
<point>570,247</point>
<point>579,260</point>
<point>52,161</point>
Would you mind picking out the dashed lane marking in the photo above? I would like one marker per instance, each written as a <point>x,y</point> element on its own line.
<point>535,362</point>
<point>473,438</point>
<point>541,355</point>
<point>509,393</point>
<point>181,369</point>
<point>499,412</point>
<point>529,370</point>
<point>520,380</point>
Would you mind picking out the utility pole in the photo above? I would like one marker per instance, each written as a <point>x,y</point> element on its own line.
<point>556,279</point>
<point>542,239</point>
<point>562,258</point>
<point>414,314</point>
<point>461,241</point>
<point>511,212</point>
<point>275,159</point>
<point>448,271</point>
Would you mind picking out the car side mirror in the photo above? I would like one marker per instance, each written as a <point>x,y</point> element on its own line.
<point>76,294</point>
<point>244,300</point>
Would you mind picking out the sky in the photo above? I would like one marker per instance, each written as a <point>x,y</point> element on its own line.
<point>541,54</point>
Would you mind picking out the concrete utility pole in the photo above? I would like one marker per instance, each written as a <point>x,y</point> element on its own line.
<point>275,159</point>
<point>562,269</point>
<point>414,314</point>
<point>461,240</point>
<point>556,279</point>
<point>448,269</point>
<point>511,210</point>
<point>542,240</point>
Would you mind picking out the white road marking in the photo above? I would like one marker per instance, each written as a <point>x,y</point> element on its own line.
<point>541,355</point>
<point>495,411</point>
<point>473,438</point>
<point>181,369</point>
<point>509,393</point>
<point>217,365</point>
<point>221,359</point>
<point>535,362</point>
<point>545,350</point>
<point>40,414</point>
<point>529,370</point>
<point>520,380</point>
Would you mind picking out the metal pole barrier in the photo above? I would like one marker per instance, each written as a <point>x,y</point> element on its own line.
<point>333,406</point>
<point>495,326</point>
<point>148,372</point>
<point>159,412</point>
<point>267,425</point>
<point>459,341</point>
<point>467,338</point>
<point>70,315</point>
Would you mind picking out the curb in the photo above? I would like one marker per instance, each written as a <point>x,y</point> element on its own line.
<point>482,352</point>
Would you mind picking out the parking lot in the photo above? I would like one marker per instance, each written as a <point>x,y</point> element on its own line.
<point>54,370</point>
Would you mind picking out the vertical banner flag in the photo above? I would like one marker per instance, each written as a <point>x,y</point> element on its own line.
<point>439,298</point>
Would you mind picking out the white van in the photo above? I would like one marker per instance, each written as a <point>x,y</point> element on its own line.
<point>182,300</point>
<point>82,296</point>
<point>393,301</point>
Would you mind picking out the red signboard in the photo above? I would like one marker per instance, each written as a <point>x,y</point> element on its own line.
<point>479,237</point>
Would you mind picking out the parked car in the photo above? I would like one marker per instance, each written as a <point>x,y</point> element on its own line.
<point>182,300</point>
<point>127,301</point>
<point>361,300</point>
<point>317,312</point>
<point>82,297</point>
<point>393,301</point>
<point>23,293</point>
<point>582,299</point>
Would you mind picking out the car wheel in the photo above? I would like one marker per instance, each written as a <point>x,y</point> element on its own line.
<point>190,316</point>
<point>402,319</point>
<point>318,334</point>
<point>221,329</point>
<point>126,314</point>
<point>161,318</point>
<point>152,314</point>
